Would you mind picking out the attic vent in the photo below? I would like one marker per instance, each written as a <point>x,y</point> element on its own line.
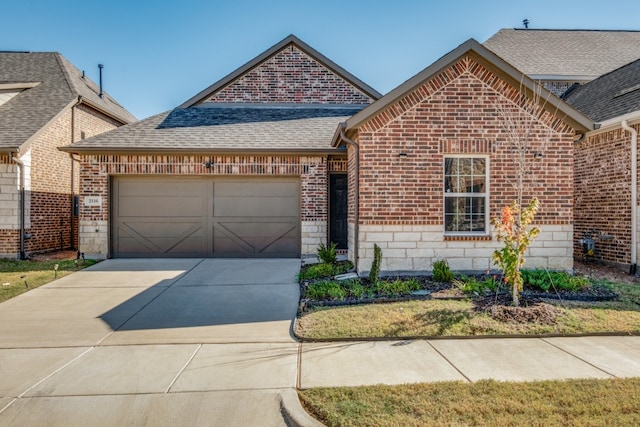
<point>627,90</point>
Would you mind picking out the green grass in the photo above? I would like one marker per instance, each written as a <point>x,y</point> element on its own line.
<point>613,402</point>
<point>17,277</point>
<point>459,318</point>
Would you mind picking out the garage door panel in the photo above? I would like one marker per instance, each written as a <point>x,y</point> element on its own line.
<point>274,187</point>
<point>161,207</point>
<point>254,207</point>
<point>206,217</point>
<point>138,187</point>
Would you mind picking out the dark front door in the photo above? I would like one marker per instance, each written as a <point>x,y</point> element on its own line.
<point>338,198</point>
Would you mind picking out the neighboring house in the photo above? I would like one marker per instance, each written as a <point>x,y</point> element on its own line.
<point>45,103</point>
<point>560,58</point>
<point>245,168</point>
<point>605,176</point>
<point>430,164</point>
<point>281,154</point>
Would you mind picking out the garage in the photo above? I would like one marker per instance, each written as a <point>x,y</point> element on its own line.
<point>234,217</point>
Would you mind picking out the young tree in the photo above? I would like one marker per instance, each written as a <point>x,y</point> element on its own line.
<point>526,146</point>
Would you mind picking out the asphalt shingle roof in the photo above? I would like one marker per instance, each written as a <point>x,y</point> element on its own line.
<point>59,84</point>
<point>586,53</point>
<point>230,127</point>
<point>612,95</point>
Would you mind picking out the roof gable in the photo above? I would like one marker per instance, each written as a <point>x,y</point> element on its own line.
<point>579,55</point>
<point>447,68</point>
<point>289,72</point>
<point>51,86</point>
<point>612,95</point>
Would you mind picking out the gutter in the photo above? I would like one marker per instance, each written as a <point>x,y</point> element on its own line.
<point>634,194</point>
<point>356,195</point>
<point>21,204</point>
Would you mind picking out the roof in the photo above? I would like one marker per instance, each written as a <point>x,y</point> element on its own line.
<point>613,95</point>
<point>579,55</point>
<point>290,40</point>
<point>471,47</point>
<point>51,84</point>
<point>226,128</point>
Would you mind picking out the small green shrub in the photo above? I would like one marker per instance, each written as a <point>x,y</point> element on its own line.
<point>471,285</point>
<point>549,280</point>
<point>396,287</point>
<point>342,267</point>
<point>317,271</point>
<point>355,289</point>
<point>441,271</point>
<point>326,289</point>
<point>374,274</point>
<point>328,254</point>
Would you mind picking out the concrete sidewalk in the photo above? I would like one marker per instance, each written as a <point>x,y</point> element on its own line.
<point>469,360</point>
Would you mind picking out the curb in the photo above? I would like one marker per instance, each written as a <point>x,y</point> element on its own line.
<point>292,410</point>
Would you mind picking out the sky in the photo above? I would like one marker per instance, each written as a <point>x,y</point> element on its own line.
<point>159,53</point>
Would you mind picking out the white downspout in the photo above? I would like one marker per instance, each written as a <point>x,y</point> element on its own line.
<point>634,194</point>
<point>21,203</point>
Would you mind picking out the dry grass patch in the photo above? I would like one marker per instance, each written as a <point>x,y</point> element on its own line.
<point>561,403</point>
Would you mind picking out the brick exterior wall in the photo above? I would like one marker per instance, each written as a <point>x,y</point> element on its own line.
<point>291,76</point>
<point>603,194</point>
<point>49,221</point>
<point>97,169</point>
<point>456,112</point>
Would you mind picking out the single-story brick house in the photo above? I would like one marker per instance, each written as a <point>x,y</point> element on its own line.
<point>290,151</point>
<point>45,103</point>
<point>245,168</point>
<point>606,182</point>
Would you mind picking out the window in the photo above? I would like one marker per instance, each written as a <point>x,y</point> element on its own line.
<point>465,195</point>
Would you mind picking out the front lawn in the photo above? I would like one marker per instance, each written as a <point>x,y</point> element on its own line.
<point>466,307</point>
<point>17,277</point>
<point>614,402</point>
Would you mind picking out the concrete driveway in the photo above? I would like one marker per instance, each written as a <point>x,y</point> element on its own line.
<point>152,342</point>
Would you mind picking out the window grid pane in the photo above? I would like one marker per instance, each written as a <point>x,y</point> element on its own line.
<point>465,194</point>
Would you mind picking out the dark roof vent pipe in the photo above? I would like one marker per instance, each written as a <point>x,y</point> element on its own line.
<point>100,67</point>
<point>525,21</point>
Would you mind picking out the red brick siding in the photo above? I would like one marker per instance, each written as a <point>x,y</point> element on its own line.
<point>291,76</point>
<point>457,112</point>
<point>50,195</point>
<point>603,193</point>
<point>312,171</point>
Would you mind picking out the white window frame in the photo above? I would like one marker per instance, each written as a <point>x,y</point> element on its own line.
<point>487,195</point>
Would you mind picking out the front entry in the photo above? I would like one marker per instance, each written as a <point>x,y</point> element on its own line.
<point>338,202</point>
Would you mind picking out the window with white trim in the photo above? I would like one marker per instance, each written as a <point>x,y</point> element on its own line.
<point>466,195</point>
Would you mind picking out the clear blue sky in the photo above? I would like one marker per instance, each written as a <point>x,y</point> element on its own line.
<point>159,53</point>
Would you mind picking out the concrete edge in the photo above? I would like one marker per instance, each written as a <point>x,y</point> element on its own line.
<point>293,412</point>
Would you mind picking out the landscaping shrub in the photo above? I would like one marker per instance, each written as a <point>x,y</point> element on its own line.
<point>326,290</point>
<point>396,287</point>
<point>472,285</point>
<point>441,271</point>
<point>549,280</point>
<point>328,254</point>
<point>374,274</point>
<point>317,271</point>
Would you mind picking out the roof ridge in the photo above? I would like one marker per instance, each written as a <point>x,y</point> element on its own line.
<point>573,29</point>
<point>59,59</point>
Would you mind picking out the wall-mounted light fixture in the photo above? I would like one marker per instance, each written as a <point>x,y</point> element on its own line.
<point>538,155</point>
<point>208,164</point>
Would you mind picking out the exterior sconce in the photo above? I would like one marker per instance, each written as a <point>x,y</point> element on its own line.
<point>208,164</point>
<point>538,155</point>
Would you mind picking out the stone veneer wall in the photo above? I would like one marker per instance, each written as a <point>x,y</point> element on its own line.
<point>414,248</point>
<point>97,169</point>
